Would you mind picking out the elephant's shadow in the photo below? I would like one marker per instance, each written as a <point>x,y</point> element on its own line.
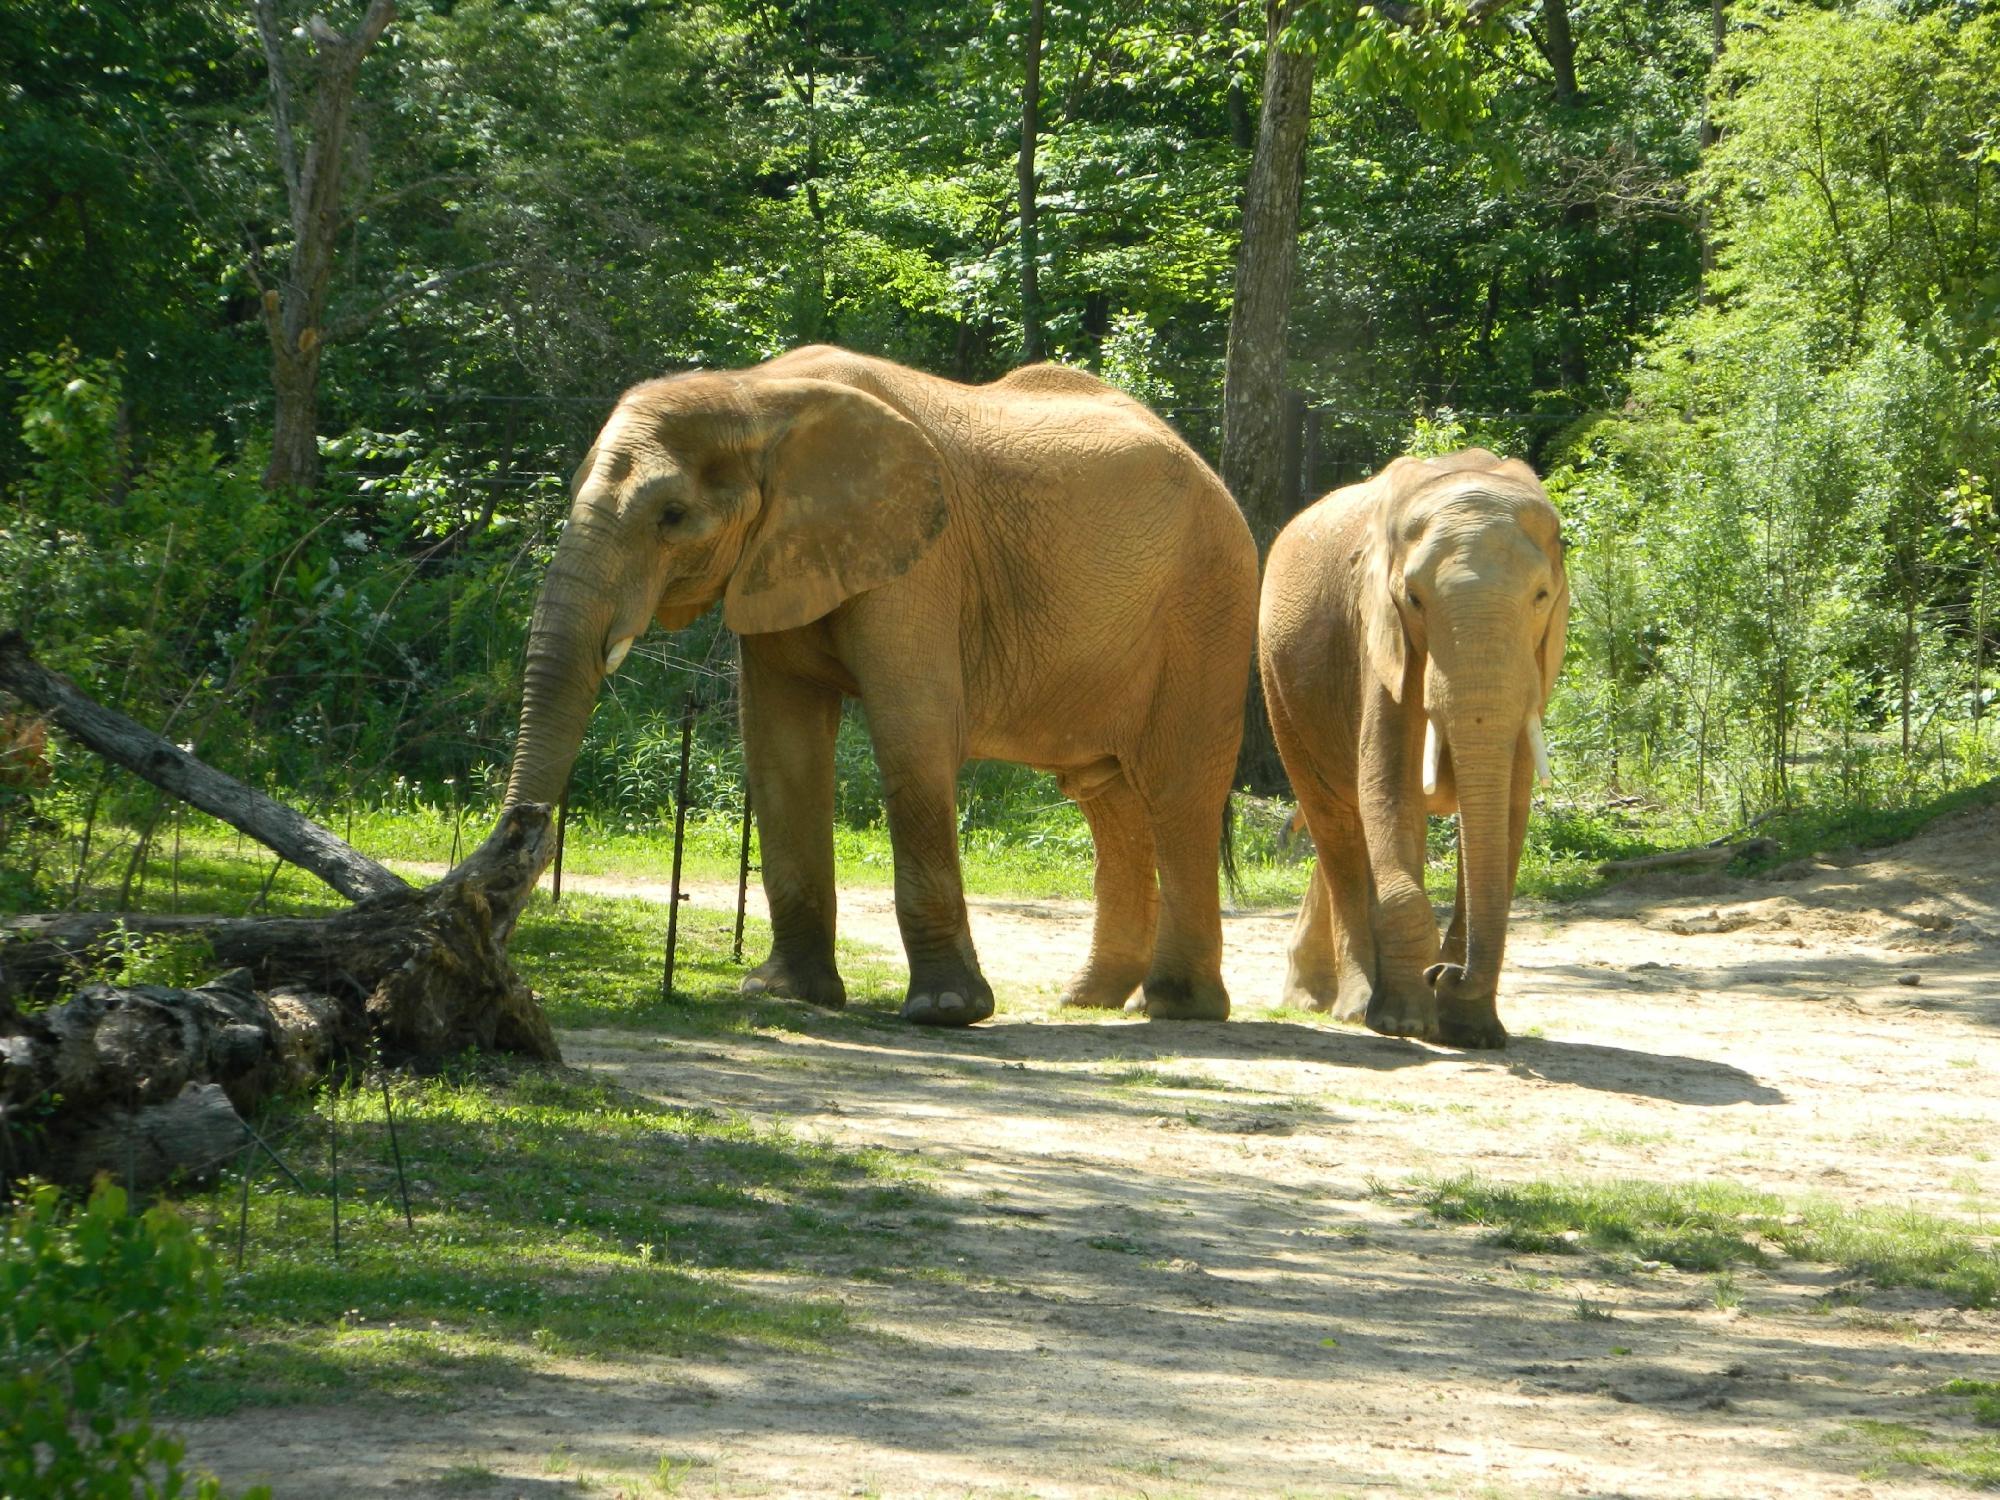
<point>1590,1065</point>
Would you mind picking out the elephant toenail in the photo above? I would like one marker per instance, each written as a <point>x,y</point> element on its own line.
<point>950,1001</point>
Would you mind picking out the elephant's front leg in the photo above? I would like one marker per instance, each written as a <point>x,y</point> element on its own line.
<point>789,727</point>
<point>1392,812</point>
<point>920,762</point>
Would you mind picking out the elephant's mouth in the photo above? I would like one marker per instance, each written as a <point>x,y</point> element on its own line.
<point>1434,746</point>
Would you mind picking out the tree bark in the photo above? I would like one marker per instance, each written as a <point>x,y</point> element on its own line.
<point>1266,260</point>
<point>425,969</point>
<point>173,769</point>
<point>295,309</point>
<point>1254,408</point>
<point>101,1082</point>
<point>1032,345</point>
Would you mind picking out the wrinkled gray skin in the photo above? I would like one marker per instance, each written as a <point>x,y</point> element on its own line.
<point>1036,570</point>
<point>1427,604</point>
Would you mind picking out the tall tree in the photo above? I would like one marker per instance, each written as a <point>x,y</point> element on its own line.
<point>315,182</point>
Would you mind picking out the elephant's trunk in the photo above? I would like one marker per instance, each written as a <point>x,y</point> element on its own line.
<point>1485,815</point>
<point>566,663</point>
<point>1483,716</point>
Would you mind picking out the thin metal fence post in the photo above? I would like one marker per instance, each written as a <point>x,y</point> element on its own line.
<point>674,896</point>
<point>742,870</point>
<point>562,828</point>
<point>333,1163</point>
<point>243,1215</point>
<point>396,1146</point>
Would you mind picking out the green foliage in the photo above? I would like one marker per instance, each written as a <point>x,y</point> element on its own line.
<point>99,1310</point>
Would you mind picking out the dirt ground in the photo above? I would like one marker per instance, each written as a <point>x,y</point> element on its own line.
<point>1186,1270</point>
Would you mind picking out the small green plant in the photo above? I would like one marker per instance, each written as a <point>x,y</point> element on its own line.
<point>1984,1396</point>
<point>175,960</point>
<point>98,1309</point>
<point>1724,1290</point>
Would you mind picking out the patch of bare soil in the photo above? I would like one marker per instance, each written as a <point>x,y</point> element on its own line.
<point>1170,1267</point>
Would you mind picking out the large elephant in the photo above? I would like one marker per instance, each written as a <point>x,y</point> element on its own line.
<point>1411,631</point>
<point>1036,570</point>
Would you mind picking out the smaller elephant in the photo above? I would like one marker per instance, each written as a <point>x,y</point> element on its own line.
<point>1410,632</point>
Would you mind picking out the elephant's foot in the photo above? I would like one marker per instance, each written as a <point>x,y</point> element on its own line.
<point>1466,1015</point>
<point>946,998</point>
<point>1181,1000</point>
<point>1104,986</point>
<point>797,979</point>
<point>1394,1013</point>
<point>1300,996</point>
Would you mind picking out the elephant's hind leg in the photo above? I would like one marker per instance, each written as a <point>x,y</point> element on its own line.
<point>1184,981</point>
<point>1127,894</point>
<point>1312,974</point>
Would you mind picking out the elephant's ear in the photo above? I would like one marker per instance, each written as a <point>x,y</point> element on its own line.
<point>1384,636</point>
<point>852,495</point>
<point>1550,653</point>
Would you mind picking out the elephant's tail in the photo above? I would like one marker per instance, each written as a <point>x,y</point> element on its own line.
<point>1230,880</point>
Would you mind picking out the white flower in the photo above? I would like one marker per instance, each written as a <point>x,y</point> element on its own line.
<point>358,540</point>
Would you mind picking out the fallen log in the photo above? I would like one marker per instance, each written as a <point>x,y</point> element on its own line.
<point>146,1083</point>
<point>144,1080</point>
<point>1683,859</point>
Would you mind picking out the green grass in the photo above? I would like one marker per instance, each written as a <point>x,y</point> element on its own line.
<point>555,1216</point>
<point>1974,1462</point>
<point>1710,1226</point>
<point>599,960</point>
<point>1020,839</point>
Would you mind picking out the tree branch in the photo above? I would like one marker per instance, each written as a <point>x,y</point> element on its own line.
<point>349,324</point>
<point>133,746</point>
<point>281,101</point>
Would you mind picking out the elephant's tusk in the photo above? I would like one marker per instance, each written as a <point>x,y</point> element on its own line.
<point>1540,746</point>
<point>616,655</point>
<point>1431,756</point>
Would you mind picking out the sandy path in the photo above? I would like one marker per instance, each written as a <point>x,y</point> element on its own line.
<point>1175,1277</point>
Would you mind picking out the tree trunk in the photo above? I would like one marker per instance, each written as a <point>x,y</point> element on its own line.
<point>425,970</point>
<point>1253,384</point>
<point>1718,25</point>
<point>295,309</point>
<point>1032,347</point>
<point>1255,412</point>
<point>146,1083</point>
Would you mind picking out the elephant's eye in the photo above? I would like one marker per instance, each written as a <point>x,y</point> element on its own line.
<point>671,515</point>
<point>1415,603</point>
<point>1542,597</point>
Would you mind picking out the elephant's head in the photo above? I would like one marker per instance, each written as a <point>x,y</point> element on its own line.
<point>783,497</point>
<point>1467,606</point>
